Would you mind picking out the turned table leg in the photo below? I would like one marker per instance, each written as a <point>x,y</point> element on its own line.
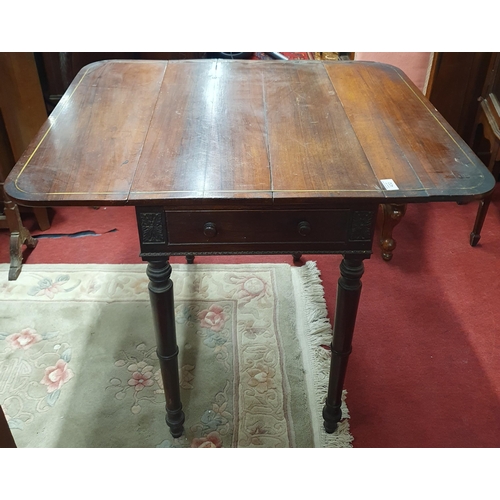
<point>161,293</point>
<point>348,293</point>
<point>392,215</point>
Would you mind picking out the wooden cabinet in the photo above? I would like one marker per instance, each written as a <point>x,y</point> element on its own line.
<point>22,113</point>
<point>456,83</point>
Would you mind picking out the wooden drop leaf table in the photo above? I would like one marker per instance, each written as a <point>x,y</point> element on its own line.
<point>247,157</point>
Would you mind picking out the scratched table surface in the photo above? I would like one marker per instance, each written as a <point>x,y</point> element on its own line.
<point>185,133</point>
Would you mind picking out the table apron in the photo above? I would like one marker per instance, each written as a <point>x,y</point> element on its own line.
<point>212,232</point>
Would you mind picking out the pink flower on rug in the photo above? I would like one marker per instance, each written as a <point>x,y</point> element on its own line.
<point>50,290</point>
<point>261,377</point>
<point>56,376</point>
<point>211,440</point>
<point>213,318</point>
<point>23,339</point>
<point>141,380</point>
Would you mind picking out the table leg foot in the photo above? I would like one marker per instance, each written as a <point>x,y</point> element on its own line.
<point>474,239</point>
<point>189,258</point>
<point>482,210</point>
<point>161,294</point>
<point>331,418</point>
<point>175,421</point>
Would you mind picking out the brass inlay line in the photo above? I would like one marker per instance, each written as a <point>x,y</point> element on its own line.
<point>270,191</point>
<point>433,115</point>
<point>400,74</point>
<point>380,191</point>
<point>45,135</point>
<point>78,193</point>
<point>207,193</point>
<point>440,124</point>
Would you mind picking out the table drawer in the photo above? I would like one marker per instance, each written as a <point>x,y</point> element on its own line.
<point>257,226</point>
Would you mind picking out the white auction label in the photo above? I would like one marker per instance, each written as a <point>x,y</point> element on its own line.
<point>389,184</point>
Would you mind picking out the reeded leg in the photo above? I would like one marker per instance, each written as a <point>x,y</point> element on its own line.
<point>161,293</point>
<point>392,215</point>
<point>348,292</point>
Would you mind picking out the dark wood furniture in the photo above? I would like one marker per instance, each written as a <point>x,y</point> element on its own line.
<point>454,84</point>
<point>229,157</point>
<point>22,113</point>
<point>6,437</point>
<point>486,136</point>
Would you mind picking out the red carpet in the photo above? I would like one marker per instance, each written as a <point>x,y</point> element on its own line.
<point>426,353</point>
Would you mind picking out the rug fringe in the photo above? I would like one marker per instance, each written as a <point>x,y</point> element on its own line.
<point>318,331</point>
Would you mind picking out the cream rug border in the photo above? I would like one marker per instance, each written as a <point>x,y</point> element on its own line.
<point>312,320</point>
<point>313,330</point>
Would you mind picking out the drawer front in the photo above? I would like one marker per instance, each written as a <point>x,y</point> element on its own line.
<point>165,232</point>
<point>288,226</point>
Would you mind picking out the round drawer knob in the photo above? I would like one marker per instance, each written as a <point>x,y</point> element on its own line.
<point>209,229</point>
<point>304,228</point>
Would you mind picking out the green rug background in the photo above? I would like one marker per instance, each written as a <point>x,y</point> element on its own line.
<point>78,366</point>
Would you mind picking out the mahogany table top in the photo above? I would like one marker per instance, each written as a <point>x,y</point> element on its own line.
<point>217,132</point>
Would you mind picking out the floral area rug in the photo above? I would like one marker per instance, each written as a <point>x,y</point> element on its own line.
<point>78,364</point>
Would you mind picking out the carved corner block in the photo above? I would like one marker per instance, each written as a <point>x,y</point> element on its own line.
<point>153,234</point>
<point>362,225</point>
<point>152,227</point>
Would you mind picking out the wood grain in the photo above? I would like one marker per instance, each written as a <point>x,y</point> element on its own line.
<point>207,136</point>
<point>314,150</point>
<point>89,148</point>
<point>392,119</point>
<point>185,133</point>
